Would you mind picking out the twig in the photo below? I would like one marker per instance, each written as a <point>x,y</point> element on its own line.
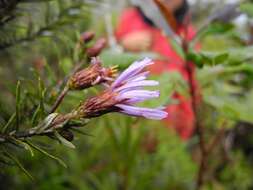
<point>65,90</point>
<point>56,124</point>
<point>59,99</point>
<point>195,107</point>
<point>205,149</point>
<point>199,129</point>
<point>216,140</point>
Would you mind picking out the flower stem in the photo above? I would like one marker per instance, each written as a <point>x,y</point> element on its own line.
<point>195,106</point>
<point>59,99</point>
<point>34,132</point>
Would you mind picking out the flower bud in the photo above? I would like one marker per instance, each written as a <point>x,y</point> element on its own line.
<point>87,36</point>
<point>96,49</point>
<point>66,134</point>
<point>98,105</point>
<point>92,75</point>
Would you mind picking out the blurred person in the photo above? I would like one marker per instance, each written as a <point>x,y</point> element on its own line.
<point>138,30</point>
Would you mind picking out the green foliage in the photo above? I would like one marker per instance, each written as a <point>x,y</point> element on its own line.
<point>240,174</point>
<point>119,155</point>
<point>26,26</point>
<point>247,8</point>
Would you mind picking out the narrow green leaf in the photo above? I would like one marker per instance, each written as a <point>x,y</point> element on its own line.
<point>50,73</point>
<point>25,145</point>
<point>63,140</point>
<point>195,58</point>
<point>247,8</point>
<point>221,58</point>
<point>18,103</point>
<point>40,110</point>
<point>81,132</point>
<point>42,92</point>
<point>35,115</point>
<point>19,164</point>
<point>47,154</point>
<point>12,118</point>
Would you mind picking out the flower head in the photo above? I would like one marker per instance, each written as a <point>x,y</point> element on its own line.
<point>124,93</point>
<point>92,75</point>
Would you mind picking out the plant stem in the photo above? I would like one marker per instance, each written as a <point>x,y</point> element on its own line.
<point>59,99</point>
<point>195,107</point>
<point>66,88</point>
<point>216,140</point>
<point>34,132</point>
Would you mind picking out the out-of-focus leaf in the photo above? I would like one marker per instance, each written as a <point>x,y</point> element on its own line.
<point>168,84</point>
<point>66,65</point>
<point>25,145</point>
<point>247,8</point>
<point>40,110</point>
<point>221,58</point>
<point>12,157</point>
<point>215,28</point>
<point>47,154</point>
<point>209,74</point>
<point>63,140</point>
<point>8,124</point>
<point>18,104</point>
<point>123,60</point>
<point>197,59</point>
<point>207,58</point>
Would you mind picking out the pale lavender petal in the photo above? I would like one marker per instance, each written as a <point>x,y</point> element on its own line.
<point>134,101</point>
<point>137,79</point>
<point>148,113</point>
<point>155,114</point>
<point>131,71</point>
<point>142,63</point>
<point>137,84</point>
<point>146,94</point>
<point>130,89</point>
<point>140,76</point>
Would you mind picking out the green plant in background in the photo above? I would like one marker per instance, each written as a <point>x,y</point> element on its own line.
<point>225,75</point>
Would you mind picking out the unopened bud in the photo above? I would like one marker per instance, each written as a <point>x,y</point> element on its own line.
<point>92,75</point>
<point>96,49</point>
<point>66,134</point>
<point>87,36</point>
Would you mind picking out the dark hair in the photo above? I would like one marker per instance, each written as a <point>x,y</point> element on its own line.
<point>181,12</point>
<point>145,18</point>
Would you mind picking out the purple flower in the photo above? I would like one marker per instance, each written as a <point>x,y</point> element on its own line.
<point>124,93</point>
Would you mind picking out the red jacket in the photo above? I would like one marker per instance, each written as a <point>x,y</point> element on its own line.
<point>180,116</point>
